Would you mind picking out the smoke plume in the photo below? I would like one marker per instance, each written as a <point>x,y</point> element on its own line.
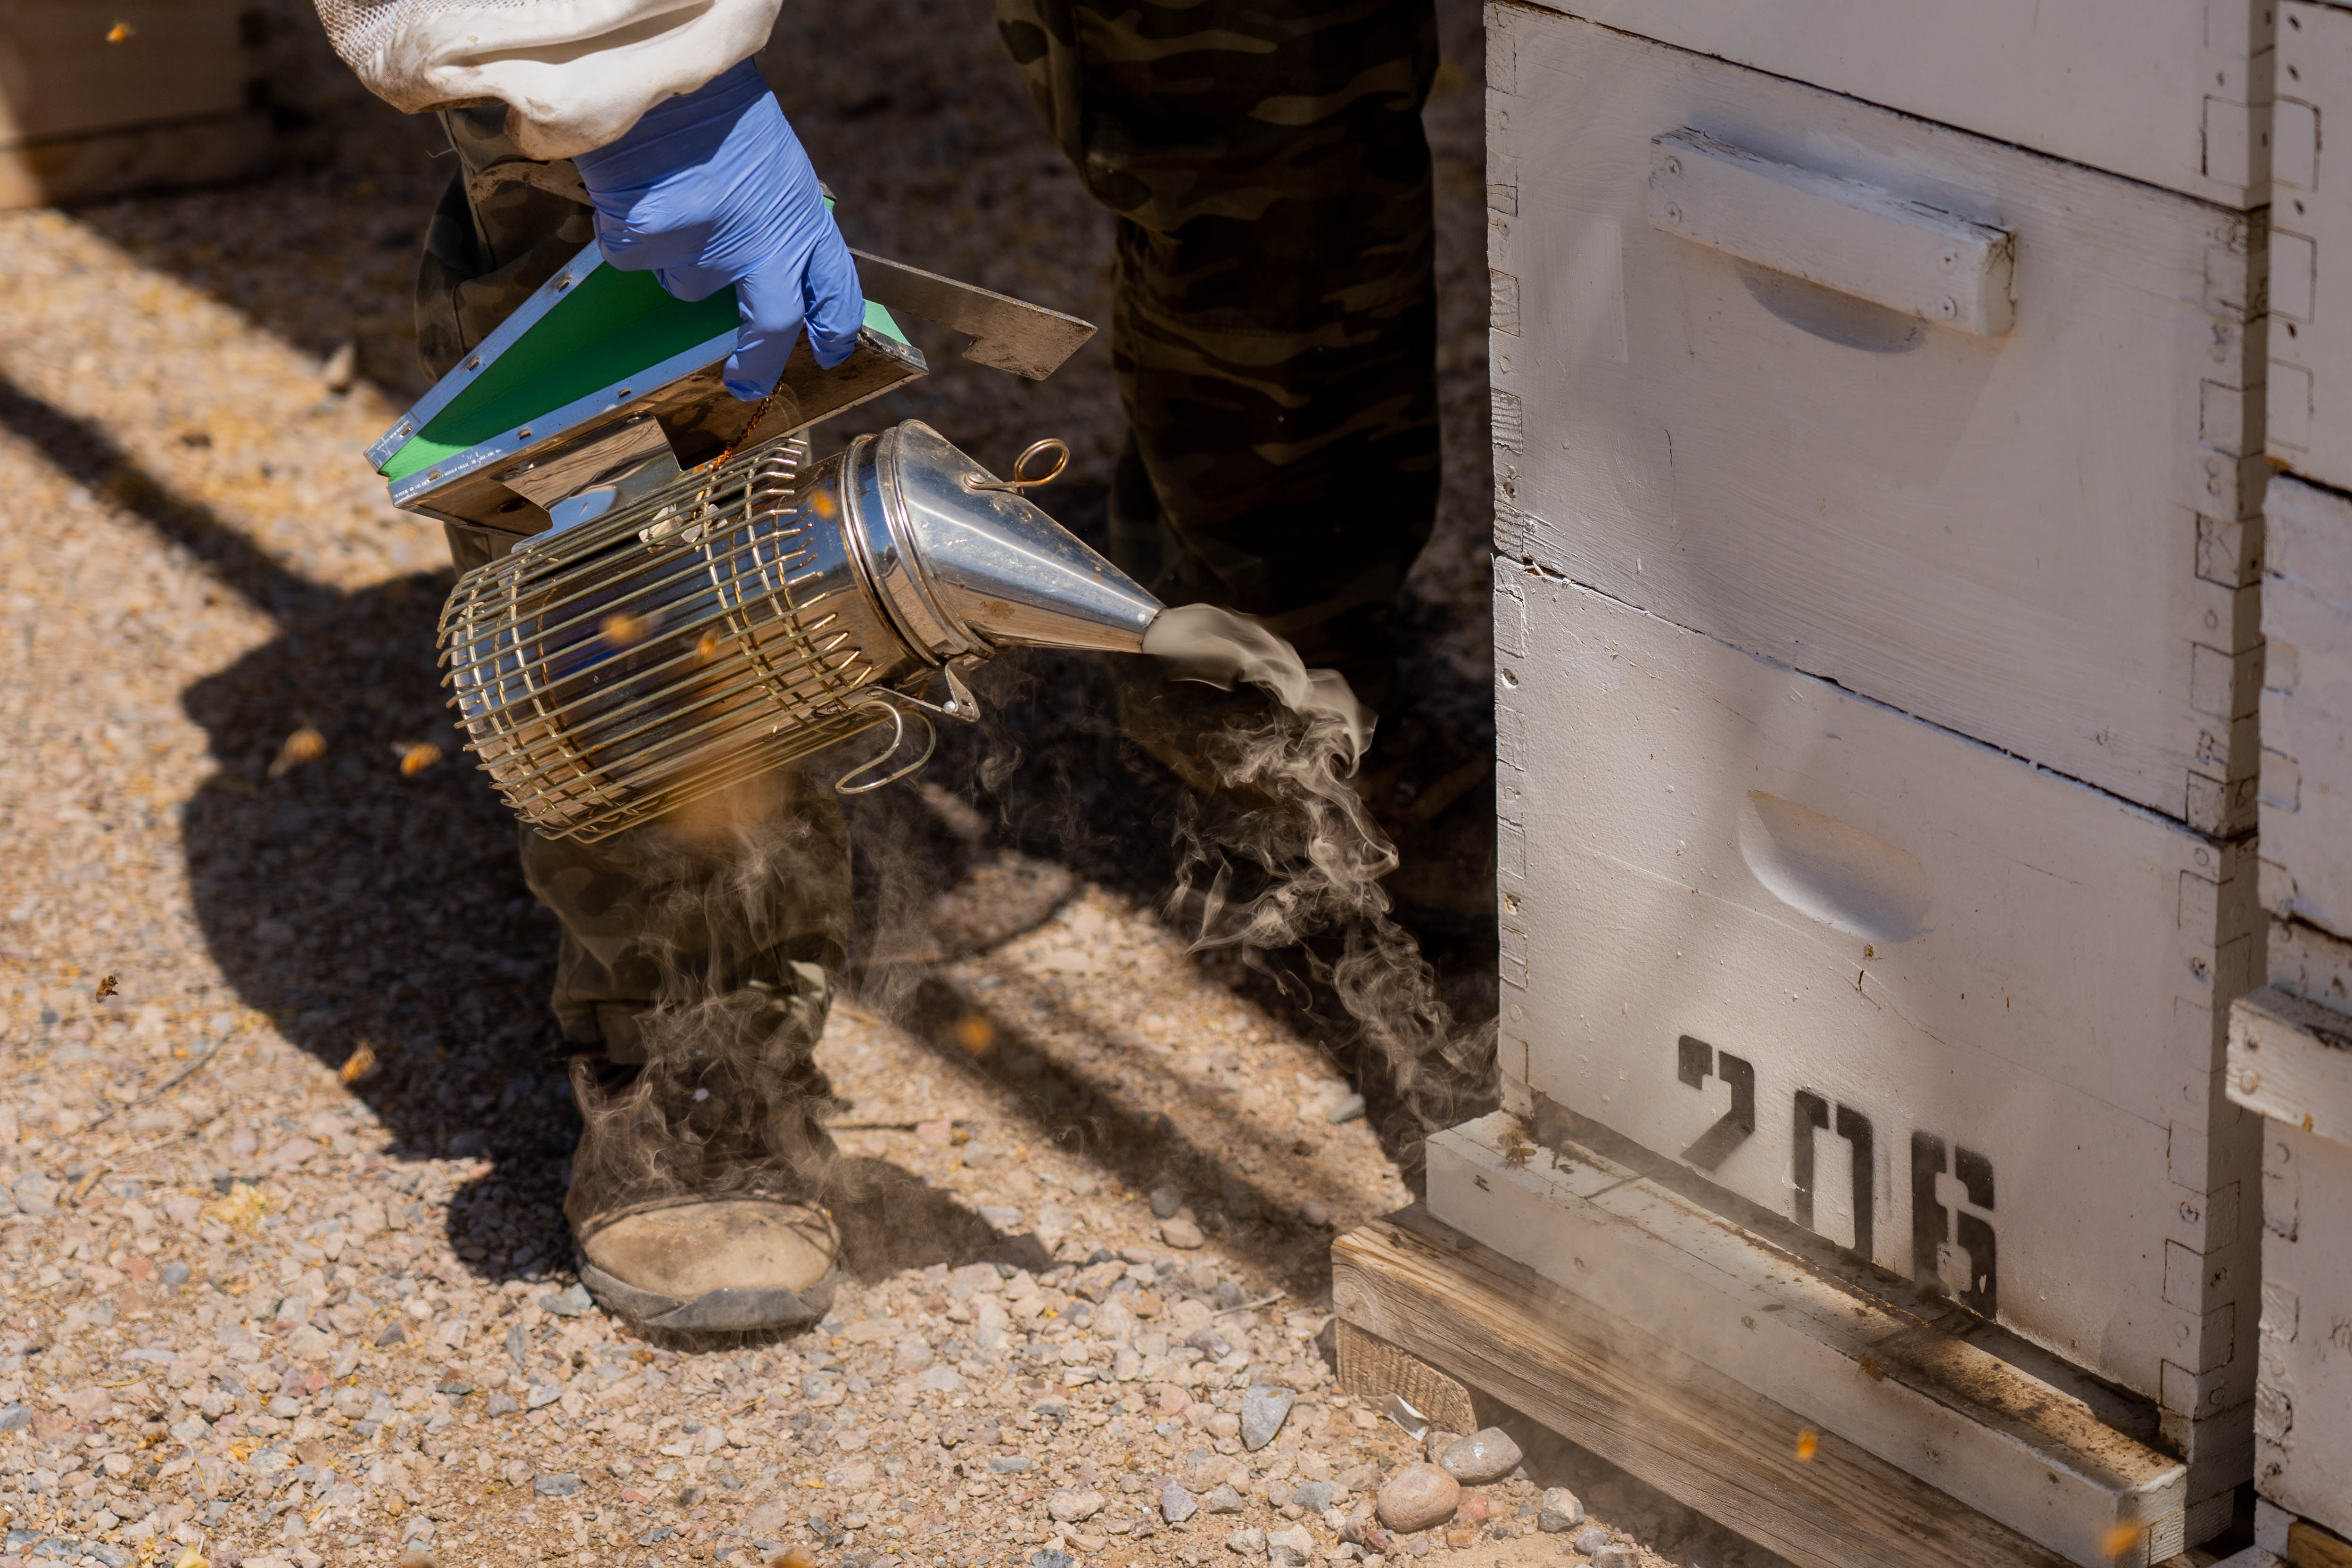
<point>1298,864</point>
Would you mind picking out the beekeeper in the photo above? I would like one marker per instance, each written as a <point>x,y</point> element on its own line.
<point>1274,339</point>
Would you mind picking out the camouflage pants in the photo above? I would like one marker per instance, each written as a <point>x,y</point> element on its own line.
<point>1274,339</point>
<point>682,942</point>
<point>1274,330</point>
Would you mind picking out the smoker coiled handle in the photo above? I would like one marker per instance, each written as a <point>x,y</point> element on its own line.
<point>898,738</point>
<point>1020,482</point>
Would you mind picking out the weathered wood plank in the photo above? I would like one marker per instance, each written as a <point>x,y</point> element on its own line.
<point>1371,1368</point>
<point>2292,1060</point>
<point>1654,1412</point>
<point>2308,1546</point>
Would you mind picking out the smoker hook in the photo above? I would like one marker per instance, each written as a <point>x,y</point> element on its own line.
<point>898,738</point>
<point>1016,484</point>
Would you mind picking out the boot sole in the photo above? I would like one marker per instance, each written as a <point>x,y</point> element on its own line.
<point>728,1310</point>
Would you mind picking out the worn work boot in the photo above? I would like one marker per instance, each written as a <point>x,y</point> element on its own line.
<point>696,1199</point>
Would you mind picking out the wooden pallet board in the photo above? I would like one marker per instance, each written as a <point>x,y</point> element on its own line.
<point>1655,1413</point>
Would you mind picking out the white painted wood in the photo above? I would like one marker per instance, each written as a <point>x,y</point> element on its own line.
<point>2251,1557</point>
<point>2308,962</point>
<point>2303,1403</point>
<point>2035,538</point>
<point>2173,92</point>
<point>2291,1060</point>
<point>178,59</point>
<point>82,118</point>
<point>2307,704</point>
<point>2036,1457</point>
<point>2311,241</point>
<point>1858,239</point>
<point>1739,889</point>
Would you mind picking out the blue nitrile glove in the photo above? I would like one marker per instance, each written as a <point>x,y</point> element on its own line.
<point>711,188</point>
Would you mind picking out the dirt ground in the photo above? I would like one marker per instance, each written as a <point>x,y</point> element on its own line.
<point>282,1125</point>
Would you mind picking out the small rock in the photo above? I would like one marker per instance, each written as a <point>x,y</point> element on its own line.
<point>15,1418</point>
<point>562,1484</point>
<point>35,1195</point>
<point>395,1332</point>
<point>1074,1507</point>
<point>1165,1202</point>
<point>1313,1496</point>
<point>1264,1410</point>
<point>1291,1548</point>
<point>1180,1234</point>
<point>1559,1509</point>
<point>1616,1557</point>
<point>1008,1464</point>
<point>1487,1454</point>
<point>990,1322</point>
<point>543,1395</point>
<point>1044,1558</point>
<point>1435,1441</point>
<point>1224,1499</point>
<point>1225,1424</point>
<point>1418,1497</point>
<point>342,369</point>
<point>503,1404</point>
<point>1473,1512</point>
<point>1315,1212</point>
<point>569,1303</point>
<point>1591,1539</point>
<point>1176,1504</point>
<point>1347,1110</point>
<point>1246,1543</point>
<point>416,1554</point>
<point>175,1273</point>
<point>1363,1527</point>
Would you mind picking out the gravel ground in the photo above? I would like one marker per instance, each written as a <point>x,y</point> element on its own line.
<point>281,1124</point>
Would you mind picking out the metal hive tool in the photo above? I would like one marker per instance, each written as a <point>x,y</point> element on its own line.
<point>742,618</point>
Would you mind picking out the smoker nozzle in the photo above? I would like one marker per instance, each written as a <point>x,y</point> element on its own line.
<point>966,564</point>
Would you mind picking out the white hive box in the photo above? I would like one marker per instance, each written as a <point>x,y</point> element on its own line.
<point>2291,1059</point>
<point>174,101</point>
<point>2306,707</point>
<point>2173,92</point>
<point>2311,241</point>
<point>1962,428</point>
<point>1928,1001</point>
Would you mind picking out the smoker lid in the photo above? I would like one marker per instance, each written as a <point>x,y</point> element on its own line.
<point>596,346</point>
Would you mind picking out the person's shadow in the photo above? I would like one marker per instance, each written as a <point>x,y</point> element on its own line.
<point>375,908</point>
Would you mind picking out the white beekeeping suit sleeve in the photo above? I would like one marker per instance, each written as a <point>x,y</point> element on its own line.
<point>574,73</point>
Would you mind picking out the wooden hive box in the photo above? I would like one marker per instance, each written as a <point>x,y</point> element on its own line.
<point>1970,430</point>
<point>1958,1015</point>
<point>175,100</point>
<point>2175,93</point>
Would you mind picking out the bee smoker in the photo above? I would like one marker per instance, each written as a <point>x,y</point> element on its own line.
<point>735,621</point>
<point>651,633</point>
